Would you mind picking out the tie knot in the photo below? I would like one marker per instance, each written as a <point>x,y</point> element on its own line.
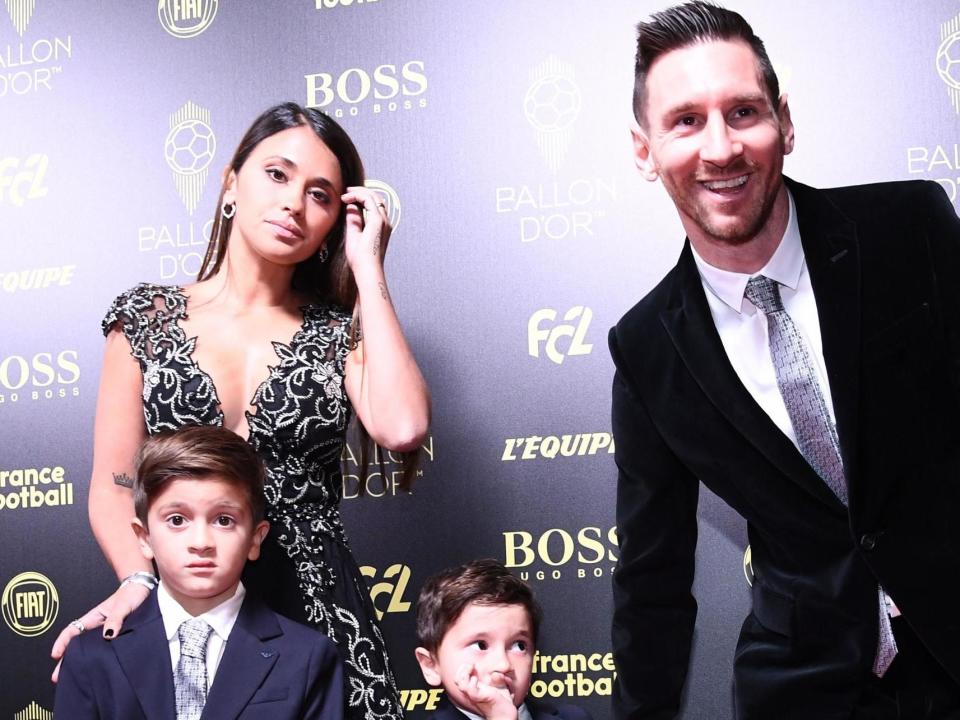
<point>765,294</point>
<point>193,636</point>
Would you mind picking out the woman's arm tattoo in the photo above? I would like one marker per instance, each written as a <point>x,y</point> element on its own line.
<point>123,479</point>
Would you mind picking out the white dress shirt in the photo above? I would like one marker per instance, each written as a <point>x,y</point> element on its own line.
<point>221,619</point>
<point>522,713</point>
<point>743,329</point>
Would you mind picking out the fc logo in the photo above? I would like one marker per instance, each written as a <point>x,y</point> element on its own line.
<point>23,180</point>
<point>392,588</point>
<point>537,335</point>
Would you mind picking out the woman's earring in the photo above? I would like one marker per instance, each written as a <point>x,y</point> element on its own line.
<point>323,254</point>
<point>228,210</point>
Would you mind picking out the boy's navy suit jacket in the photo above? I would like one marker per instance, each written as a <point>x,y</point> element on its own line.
<point>272,668</point>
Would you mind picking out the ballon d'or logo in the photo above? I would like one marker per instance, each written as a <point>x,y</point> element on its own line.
<point>948,59</point>
<point>33,712</point>
<point>188,149</point>
<point>20,12</point>
<point>551,105</point>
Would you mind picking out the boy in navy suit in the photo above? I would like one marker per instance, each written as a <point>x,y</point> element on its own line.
<point>477,627</point>
<point>199,645</point>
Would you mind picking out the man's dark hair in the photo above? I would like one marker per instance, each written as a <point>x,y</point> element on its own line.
<point>688,24</point>
<point>197,452</point>
<point>446,595</point>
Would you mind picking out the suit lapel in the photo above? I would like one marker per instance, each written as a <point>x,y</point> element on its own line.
<point>141,650</point>
<point>832,252</point>
<point>691,328</point>
<point>247,659</point>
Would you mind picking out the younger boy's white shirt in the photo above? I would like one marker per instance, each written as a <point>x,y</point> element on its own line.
<point>522,713</point>
<point>221,619</point>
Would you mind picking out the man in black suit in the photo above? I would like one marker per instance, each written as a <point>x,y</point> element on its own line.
<point>821,403</point>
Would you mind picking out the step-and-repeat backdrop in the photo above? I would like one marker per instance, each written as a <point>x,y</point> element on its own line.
<point>498,134</point>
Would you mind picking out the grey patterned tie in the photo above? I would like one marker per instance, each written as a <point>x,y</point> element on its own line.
<point>190,677</point>
<point>815,431</point>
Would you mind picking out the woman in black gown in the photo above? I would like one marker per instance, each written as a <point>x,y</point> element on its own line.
<point>268,343</point>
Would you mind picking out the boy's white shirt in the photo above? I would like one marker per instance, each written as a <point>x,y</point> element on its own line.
<point>522,713</point>
<point>221,619</point>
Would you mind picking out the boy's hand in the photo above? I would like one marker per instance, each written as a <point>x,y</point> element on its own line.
<point>492,696</point>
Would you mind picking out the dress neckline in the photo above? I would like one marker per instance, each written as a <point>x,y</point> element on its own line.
<point>252,408</point>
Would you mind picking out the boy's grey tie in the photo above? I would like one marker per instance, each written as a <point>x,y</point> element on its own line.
<point>190,677</point>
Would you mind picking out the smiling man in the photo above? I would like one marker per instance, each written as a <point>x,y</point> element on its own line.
<point>802,360</point>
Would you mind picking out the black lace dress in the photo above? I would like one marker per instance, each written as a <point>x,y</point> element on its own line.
<point>301,411</point>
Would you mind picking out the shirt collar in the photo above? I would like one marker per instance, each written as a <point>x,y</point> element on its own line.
<point>784,266</point>
<point>221,618</point>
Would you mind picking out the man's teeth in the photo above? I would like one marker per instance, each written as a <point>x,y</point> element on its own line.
<point>726,184</point>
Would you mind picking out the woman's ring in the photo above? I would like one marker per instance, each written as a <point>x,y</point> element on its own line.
<point>78,625</point>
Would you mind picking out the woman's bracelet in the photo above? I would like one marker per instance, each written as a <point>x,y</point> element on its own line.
<point>141,577</point>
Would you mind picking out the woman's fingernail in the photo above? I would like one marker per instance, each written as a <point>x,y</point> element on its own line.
<point>108,633</point>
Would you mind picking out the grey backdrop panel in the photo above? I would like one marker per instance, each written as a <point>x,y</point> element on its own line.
<point>501,132</point>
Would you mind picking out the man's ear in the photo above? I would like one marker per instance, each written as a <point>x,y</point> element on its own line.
<point>641,154</point>
<point>143,537</point>
<point>786,124</point>
<point>259,533</point>
<point>428,666</point>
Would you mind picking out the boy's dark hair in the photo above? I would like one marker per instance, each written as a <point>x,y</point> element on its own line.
<point>445,595</point>
<point>687,24</point>
<point>196,452</point>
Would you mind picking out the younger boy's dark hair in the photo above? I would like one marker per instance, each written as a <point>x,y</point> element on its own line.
<point>446,595</point>
<point>196,452</point>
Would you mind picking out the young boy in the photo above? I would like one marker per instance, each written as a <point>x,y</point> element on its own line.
<point>199,643</point>
<point>477,626</point>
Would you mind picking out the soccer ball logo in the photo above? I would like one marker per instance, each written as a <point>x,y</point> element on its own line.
<point>189,147</point>
<point>552,103</point>
<point>188,150</point>
<point>948,60</point>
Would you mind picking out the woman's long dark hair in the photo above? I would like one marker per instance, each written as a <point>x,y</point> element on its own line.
<point>330,280</point>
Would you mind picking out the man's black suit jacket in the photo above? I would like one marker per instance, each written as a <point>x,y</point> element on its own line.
<point>272,668</point>
<point>539,711</point>
<point>884,262</point>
